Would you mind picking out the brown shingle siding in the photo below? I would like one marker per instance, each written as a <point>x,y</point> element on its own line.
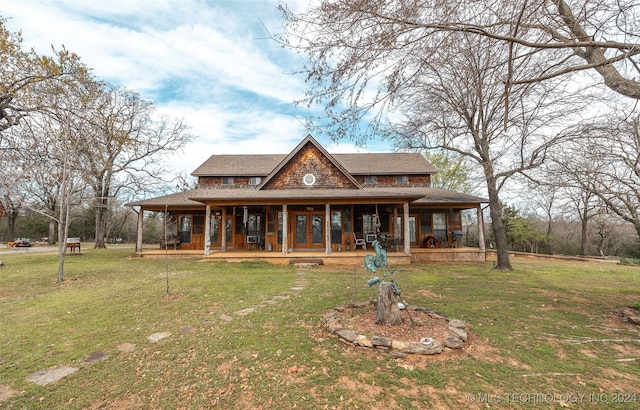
<point>392,181</point>
<point>309,161</point>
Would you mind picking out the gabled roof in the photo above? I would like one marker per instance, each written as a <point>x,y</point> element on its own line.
<point>296,151</point>
<point>261,165</point>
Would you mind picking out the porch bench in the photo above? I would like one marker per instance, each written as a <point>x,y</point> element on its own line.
<point>169,240</point>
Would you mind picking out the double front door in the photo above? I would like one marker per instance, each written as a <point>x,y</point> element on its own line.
<point>308,230</point>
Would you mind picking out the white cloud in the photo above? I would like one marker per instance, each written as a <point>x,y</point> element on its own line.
<point>208,62</point>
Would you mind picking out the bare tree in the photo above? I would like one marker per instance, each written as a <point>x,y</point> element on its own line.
<point>600,171</point>
<point>50,144</point>
<point>24,74</point>
<point>459,105</point>
<point>432,86</point>
<point>38,182</point>
<point>127,139</point>
<point>614,145</point>
<point>601,36</point>
<point>27,81</point>
<point>542,200</point>
<point>563,174</point>
<point>114,137</point>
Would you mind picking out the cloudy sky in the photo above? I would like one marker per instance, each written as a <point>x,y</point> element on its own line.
<point>207,61</point>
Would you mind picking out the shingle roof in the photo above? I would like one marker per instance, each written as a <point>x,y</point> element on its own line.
<point>195,197</point>
<point>239,165</point>
<point>179,199</point>
<point>355,164</point>
<point>396,163</point>
<point>351,164</point>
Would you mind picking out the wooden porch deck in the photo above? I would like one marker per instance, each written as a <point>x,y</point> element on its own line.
<point>417,255</point>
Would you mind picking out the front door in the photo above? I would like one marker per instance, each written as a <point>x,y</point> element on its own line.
<point>216,235</point>
<point>413,229</point>
<point>308,230</point>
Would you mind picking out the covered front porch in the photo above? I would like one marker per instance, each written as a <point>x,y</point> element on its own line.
<point>336,226</point>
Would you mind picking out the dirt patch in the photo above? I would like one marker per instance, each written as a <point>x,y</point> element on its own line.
<point>171,297</point>
<point>6,392</point>
<point>415,325</point>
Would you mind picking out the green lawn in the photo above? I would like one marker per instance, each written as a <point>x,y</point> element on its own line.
<point>541,335</point>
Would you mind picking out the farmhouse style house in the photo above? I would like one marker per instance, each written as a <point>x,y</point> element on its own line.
<point>313,203</point>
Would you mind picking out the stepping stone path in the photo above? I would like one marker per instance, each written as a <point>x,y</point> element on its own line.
<point>294,290</point>
<point>245,312</point>
<point>126,347</point>
<point>53,374</point>
<point>96,357</point>
<point>50,375</point>
<point>156,337</point>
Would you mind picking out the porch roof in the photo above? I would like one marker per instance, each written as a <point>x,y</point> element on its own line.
<point>196,198</point>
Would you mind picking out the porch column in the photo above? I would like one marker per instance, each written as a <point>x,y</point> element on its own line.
<point>285,230</point>
<point>207,230</point>
<point>223,229</point>
<point>407,236</point>
<point>327,224</point>
<point>139,233</point>
<point>480,229</point>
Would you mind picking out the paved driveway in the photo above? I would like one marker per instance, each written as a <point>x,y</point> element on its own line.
<point>37,249</point>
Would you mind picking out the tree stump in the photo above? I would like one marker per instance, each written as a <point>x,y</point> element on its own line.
<point>388,312</point>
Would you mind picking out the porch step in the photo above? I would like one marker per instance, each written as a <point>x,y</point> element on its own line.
<point>306,261</point>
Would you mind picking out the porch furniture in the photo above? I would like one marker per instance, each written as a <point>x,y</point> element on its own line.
<point>73,243</point>
<point>359,242</point>
<point>169,240</point>
<point>389,242</point>
<point>254,242</point>
<point>370,237</point>
<point>456,239</point>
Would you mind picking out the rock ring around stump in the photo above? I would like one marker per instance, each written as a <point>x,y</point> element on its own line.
<point>453,337</point>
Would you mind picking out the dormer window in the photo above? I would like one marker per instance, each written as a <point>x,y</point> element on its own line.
<point>371,180</point>
<point>255,180</point>
<point>402,180</point>
<point>228,181</point>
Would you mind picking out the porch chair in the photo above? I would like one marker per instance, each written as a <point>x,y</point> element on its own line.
<point>359,242</point>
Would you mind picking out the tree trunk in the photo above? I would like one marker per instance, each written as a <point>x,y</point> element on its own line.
<point>51,239</point>
<point>388,311</point>
<point>584,232</point>
<point>12,215</point>
<point>101,214</point>
<point>495,210</point>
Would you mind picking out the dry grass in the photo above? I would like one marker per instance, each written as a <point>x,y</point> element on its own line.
<point>548,331</point>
